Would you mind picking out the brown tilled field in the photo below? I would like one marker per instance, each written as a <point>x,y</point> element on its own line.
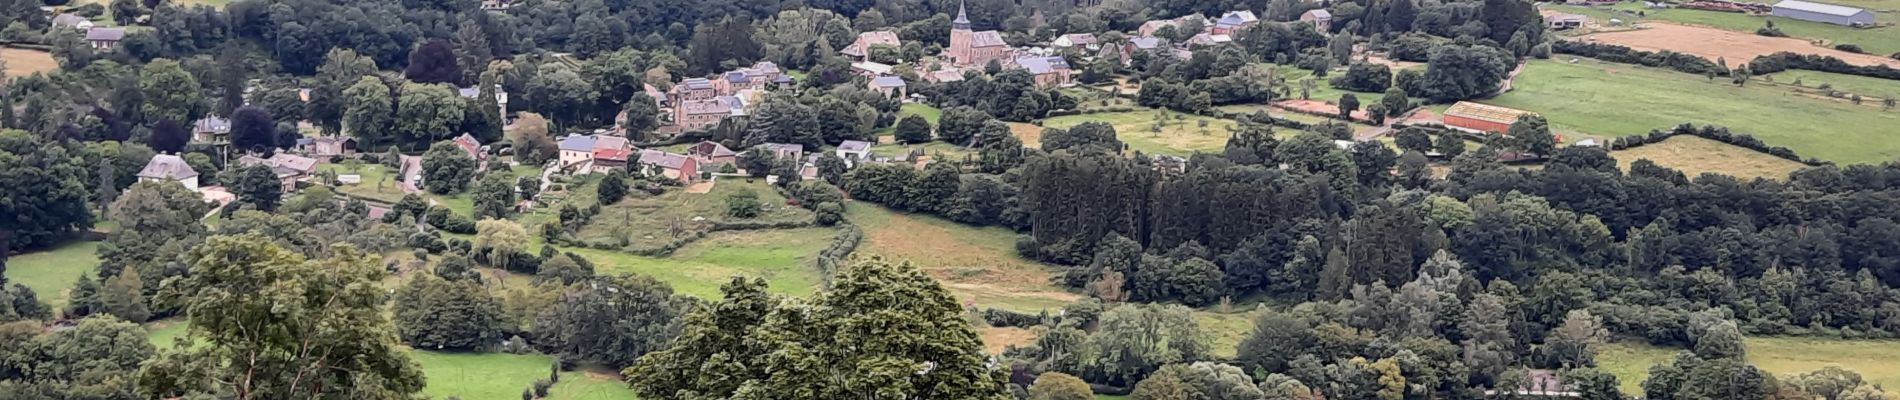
<point>1711,43</point>
<point>23,62</point>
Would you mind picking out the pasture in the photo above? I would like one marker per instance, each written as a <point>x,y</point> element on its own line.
<point>1158,132</point>
<point>1782,356</point>
<point>647,221</point>
<point>783,257</point>
<point>1861,85</point>
<point>1694,155</point>
<point>1739,46</point>
<point>51,273</point>
<point>1879,41</point>
<point>24,62</point>
<point>978,264</point>
<point>1609,99</point>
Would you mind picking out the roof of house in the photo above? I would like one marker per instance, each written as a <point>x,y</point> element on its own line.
<point>470,145</point>
<point>1822,8</point>
<point>888,81</point>
<point>948,75</point>
<point>295,162</point>
<point>765,67</point>
<point>784,147</point>
<point>211,124</point>
<point>1206,38</point>
<point>738,77</point>
<point>1082,38</point>
<point>735,105</point>
<point>578,142</point>
<point>862,46</point>
<point>610,142</point>
<point>707,106</point>
<point>167,166</point>
<point>612,154</point>
<point>664,159</point>
<point>987,39</point>
<point>695,84</point>
<point>1484,112</point>
<point>112,34</point>
<point>68,19</point>
<point>712,149</point>
<point>1237,18</point>
<point>1316,13</point>
<point>872,67</point>
<point>1043,65</point>
<point>1146,42</point>
<point>855,146</point>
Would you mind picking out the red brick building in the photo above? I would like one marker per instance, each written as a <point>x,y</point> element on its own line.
<point>974,48</point>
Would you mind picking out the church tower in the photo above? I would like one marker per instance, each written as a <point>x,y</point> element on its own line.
<point>961,38</point>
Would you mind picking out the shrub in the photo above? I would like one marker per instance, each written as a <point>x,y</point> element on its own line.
<point>1850,47</point>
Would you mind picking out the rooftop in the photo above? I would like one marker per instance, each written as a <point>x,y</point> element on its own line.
<point>987,39</point>
<point>888,81</point>
<point>1484,112</point>
<point>855,146</point>
<point>664,159</point>
<point>105,34</point>
<point>167,166</point>
<point>1043,65</point>
<point>1822,8</point>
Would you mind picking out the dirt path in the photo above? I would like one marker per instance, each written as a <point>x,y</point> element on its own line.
<point>1737,47</point>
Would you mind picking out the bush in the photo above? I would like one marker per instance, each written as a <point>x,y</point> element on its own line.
<point>744,204</point>
<point>1664,59</point>
<point>1850,47</point>
<point>1005,318</point>
<point>1783,61</point>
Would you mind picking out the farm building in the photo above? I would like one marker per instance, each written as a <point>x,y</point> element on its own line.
<point>1481,117</point>
<point>1820,12</point>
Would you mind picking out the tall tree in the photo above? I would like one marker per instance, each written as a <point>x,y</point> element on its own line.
<point>447,169</point>
<point>247,297</point>
<point>713,355</point>
<point>341,68</point>
<point>258,186</point>
<point>913,129</point>
<point>44,187</point>
<point>169,136</point>
<point>434,62</point>
<point>613,320</point>
<point>369,111</point>
<point>433,313</point>
<point>170,92</point>
<point>253,129</point>
<point>427,113</point>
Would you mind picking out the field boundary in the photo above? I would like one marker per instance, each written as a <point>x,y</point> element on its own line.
<point>1711,132</point>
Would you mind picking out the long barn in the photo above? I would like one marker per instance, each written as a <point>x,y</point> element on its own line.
<point>1822,12</point>
<point>1481,117</point>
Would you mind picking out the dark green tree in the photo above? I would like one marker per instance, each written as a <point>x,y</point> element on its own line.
<point>432,313</point>
<point>612,188</point>
<point>612,320</point>
<point>447,169</point>
<point>45,185</point>
<point>913,129</point>
<point>257,185</point>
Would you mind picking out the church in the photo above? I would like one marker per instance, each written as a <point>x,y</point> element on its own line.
<point>974,49</point>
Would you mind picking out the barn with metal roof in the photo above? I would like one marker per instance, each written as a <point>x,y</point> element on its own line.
<point>1823,12</point>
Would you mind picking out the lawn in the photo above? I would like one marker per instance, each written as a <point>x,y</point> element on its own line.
<point>784,257</point>
<point>52,272</point>
<point>1226,330</point>
<point>978,264</point>
<point>502,376</point>
<point>1694,155</point>
<point>929,113</point>
<point>1873,359</point>
<point>379,183</point>
<point>1885,40</point>
<point>1179,134</point>
<point>932,148</point>
<point>1864,86</point>
<point>644,220</point>
<point>24,62</point>
<point>1609,99</point>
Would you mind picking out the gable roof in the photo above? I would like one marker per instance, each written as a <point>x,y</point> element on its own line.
<point>1236,18</point>
<point>299,163</point>
<point>695,84</point>
<point>862,46</point>
<point>1080,39</point>
<point>888,81</point>
<point>987,39</point>
<point>1043,65</point>
<point>1146,42</point>
<point>105,34</point>
<point>707,106</point>
<point>664,159</point>
<point>577,142</point>
<point>211,124</point>
<point>68,20</point>
<point>855,146</point>
<point>1822,8</point>
<point>1317,14</point>
<point>167,166</point>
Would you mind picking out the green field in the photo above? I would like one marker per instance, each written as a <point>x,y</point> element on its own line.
<point>929,113</point>
<point>1180,134</point>
<point>783,257</point>
<point>1609,99</point>
<point>644,220</point>
<point>978,264</point>
<point>379,183</point>
<point>1864,86</point>
<point>1873,359</point>
<point>1227,329</point>
<point>52,272</point>
<point>1694,155</point>
<point>1882,41</point>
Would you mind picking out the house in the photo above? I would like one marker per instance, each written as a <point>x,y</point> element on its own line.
<point>1209,39</point>
<point>861,48</point>
<point>1151,27</point>
<point>606,152</point>
<point>1823,12</point>
<point>1084,40</point>
<point>576,148</point>
<point>169,168</point>
<point>1563,21</point>
<point>698,114</point>
<point>72,21</point>
<point>1145,43</point>
<point>497,5</point>
<point>969,47</point>
<point>889,85</point>
<point>870,69</point>
<point>326,146</point>
<point>289,168</point>
<point>1233,22</point>
<point>944,75</point>
<point>1048,72</point>
<point>659,97</point>
<point>105,38</point>
<point>472,146</point>
<point>608,159</point>
<point>210,129</point>
<point>785,151</point>
<point>712,152</point>
<point>674,166</point>
<point>501,96</point>
<point>1474,117</point>
<point>1321,19</point>
<point>854,150</point>
<point>693,89</point>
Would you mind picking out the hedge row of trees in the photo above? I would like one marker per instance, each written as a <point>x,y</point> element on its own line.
<point>1782,61</point>
<point>1679,62</point>
<point>1710,132</point>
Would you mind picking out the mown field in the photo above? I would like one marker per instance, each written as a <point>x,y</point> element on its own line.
<point>784,257</point>
<point>647,221</point>
<point>1873,359</point>
<point>1179,134</point>
<point>1864,86</point>
<point>51,273</point>
<point>1695,155</point>
<point>979,265</point>
<point>1609,99</point>
<point>24,62</point>
<point>1884,40</point>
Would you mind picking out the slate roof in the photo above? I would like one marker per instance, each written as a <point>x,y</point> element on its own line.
<point>888,81</point>
<point>577,142</point>
<point>211,124</point>
<point>708,106</point>
<point>664,159</point>
<point>987,39</point>
<point>1822,8</point>
<point>738,77</point>
<point>167,166</point>
<point>299,163</point>
<point>696,84</point>
<point>1237,18</point>
<point>1146,42</point>
<point>855,146</point>
<point>68,20</point>
<point>1043,65</point>
<point>105,34</point>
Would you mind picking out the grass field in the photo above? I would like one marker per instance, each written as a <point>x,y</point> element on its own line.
<point>1694,155</point>
<point>1180,134</point>
<point>782,256</point>
<point>24,62</point>
<point>979,265</point>
<point>379,183</point>
<point>931,148</point>
<point>1885,40</point>
<point>1864,86</point>
<point>1873,359</point>
<point>1604,99</point>
<point>52,272</point>
<point>644,219</point>
<point>1227,330</point>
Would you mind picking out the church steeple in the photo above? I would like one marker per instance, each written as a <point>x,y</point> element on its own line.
<point>963,19</point>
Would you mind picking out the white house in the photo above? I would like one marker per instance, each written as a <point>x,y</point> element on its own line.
<point>854,150</point>
<point>169,168</point>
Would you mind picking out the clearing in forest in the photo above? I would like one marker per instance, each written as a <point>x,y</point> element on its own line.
<point>1158,132</point>
<point>978,264</point>
<point>51,273</point>
<point>1694,155</point>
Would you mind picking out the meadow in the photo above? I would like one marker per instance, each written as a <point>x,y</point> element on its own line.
<point>24,62</point>
<point>51,273</point>
<point>784,257</point>
<point>1864,86</point>
<point>1602,99</point>
<point>647,221</point>
<point>1179,134</point>
<point>1882,41</point>
<point>1694,155</point>
<point>1873,359</point>
<point>978,264</point>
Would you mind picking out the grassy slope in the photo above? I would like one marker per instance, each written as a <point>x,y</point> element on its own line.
<point>1864,86</point>
<point>52,272</point>
<point>1873,359</point>
<point>1604,98</point>
<point>1695,155</point>
<point>782,256</point>
<point>643,216</point>
<point>1178,136</point>
<point>979,265</point>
